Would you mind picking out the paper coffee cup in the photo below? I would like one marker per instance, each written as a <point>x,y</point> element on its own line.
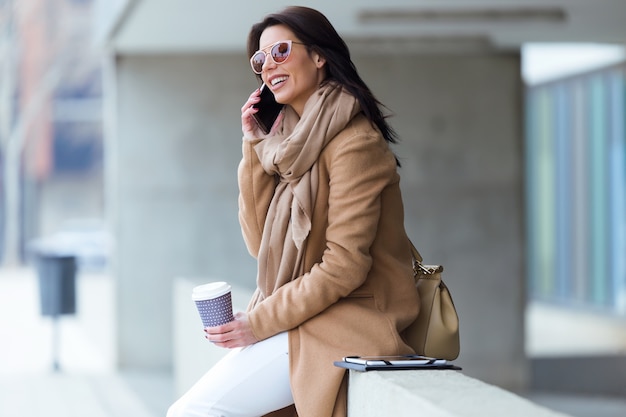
<point>214,303</point>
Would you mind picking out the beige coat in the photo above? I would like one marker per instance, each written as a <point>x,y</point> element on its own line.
<point>357,293</point>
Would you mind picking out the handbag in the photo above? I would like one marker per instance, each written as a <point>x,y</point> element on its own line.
<point>435,332</point>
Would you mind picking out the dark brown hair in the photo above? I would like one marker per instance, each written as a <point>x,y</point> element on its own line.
<point>314,30</point>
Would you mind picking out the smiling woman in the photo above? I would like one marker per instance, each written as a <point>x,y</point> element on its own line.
<point>293,80</point>
<point>321,211</point>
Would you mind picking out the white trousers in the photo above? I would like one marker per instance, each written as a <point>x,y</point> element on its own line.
<point>247,382</point>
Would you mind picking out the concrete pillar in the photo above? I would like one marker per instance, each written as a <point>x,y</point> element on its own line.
<point>175,149</point>
<point>459,118</point>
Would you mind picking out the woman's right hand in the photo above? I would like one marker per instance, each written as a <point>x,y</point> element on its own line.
<point>249,127</point>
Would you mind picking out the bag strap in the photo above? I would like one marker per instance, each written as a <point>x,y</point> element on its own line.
<point>419,266</point>
<point>415,252</point>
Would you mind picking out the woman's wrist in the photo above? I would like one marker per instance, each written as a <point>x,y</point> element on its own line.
<point>251,140</point>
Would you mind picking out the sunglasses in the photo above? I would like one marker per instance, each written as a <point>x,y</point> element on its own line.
<point>279,53</point>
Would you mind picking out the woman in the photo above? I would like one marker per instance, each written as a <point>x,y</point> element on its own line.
<point>321,210</point>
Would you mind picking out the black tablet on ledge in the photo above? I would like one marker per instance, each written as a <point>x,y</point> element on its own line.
<point>393,363</point>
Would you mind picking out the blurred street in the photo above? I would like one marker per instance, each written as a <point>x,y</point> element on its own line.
<point>30,335</point>
<point>87,384</point>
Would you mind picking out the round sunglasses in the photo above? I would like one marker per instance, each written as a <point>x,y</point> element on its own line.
<point>278,52</point>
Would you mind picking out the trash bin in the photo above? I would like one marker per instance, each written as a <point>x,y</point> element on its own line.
<point>57,282</point>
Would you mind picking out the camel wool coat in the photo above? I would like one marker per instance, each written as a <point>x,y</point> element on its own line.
<point>358,293</point>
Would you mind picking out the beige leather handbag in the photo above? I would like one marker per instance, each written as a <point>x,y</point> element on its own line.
<point>435,332</point>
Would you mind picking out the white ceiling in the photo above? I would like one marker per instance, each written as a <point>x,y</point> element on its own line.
<point>148,26</point>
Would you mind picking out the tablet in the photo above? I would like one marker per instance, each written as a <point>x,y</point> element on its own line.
<point>395,360</point>
<point>394,363</point>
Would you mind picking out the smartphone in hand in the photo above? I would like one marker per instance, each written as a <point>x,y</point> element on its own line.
<point>269,110</point>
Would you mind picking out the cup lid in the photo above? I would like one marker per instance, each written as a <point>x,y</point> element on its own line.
<point>210,290</point>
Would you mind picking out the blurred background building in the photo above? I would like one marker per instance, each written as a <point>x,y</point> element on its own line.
<point>576,170</point>
<point>52,135</point>
<point>119,123</point>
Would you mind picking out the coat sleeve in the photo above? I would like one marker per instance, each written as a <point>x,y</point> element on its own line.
<point>359,166</point>
<point>256,189</point>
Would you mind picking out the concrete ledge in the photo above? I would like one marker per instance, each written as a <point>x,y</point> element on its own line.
<point>435,393</point>
<point>193,354</point>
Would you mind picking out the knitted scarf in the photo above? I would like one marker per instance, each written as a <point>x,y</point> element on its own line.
<point>291,154</point>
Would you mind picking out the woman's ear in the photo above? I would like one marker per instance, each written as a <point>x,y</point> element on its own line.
<point>319,60</point>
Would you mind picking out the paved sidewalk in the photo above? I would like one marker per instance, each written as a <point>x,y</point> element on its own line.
<point>29,336</point>
<point>68,395</point>
<point>87,384</point>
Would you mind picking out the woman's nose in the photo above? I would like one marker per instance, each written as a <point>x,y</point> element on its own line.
<point>269,63</point>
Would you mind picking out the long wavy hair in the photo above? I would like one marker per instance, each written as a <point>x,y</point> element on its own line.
<point>318,34</point>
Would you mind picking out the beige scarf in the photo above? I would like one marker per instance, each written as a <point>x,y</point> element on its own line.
<point>291,154</point>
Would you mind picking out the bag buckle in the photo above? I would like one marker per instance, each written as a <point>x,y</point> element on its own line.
<point>428,270</point>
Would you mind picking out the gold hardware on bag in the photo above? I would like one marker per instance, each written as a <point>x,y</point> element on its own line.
<point>426,269</point>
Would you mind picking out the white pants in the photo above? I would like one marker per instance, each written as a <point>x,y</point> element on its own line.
<point>247,382</point>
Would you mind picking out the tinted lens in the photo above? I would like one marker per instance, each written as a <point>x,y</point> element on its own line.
<point>280,52</point>
<point>257,62</point>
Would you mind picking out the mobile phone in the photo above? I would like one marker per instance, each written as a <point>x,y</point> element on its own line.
<point>269,110</point>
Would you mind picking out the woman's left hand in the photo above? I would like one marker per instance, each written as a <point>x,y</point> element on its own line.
<point>237,333</point>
